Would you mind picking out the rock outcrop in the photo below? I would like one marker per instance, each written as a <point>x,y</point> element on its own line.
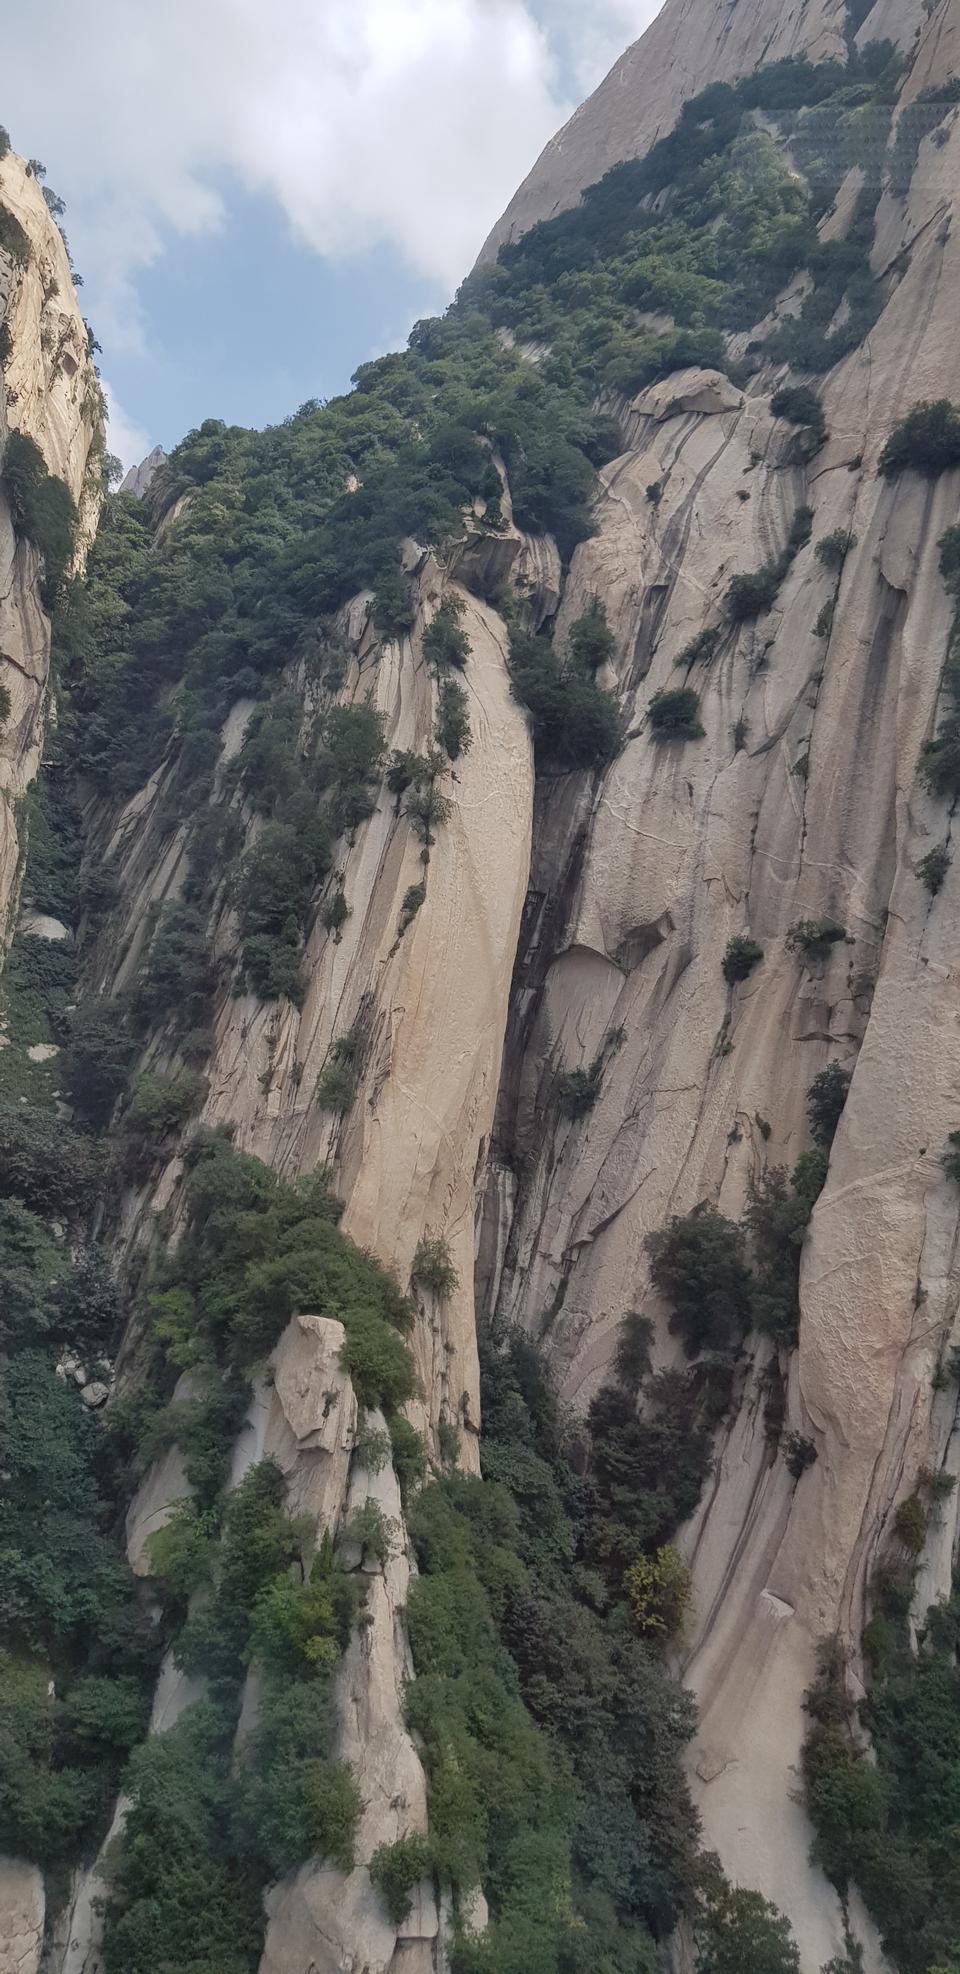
<point>677,850</point>
<point>49,391</point>
<point>138,479</point>
<point>688,46</point>
<point>21,1917</point>
<point>407,1160</point>
<point>586,921</point>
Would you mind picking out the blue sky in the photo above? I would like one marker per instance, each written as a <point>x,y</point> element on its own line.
<point>261,198</point>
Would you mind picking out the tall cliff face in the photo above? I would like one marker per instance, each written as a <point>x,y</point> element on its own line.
<point>801,802</point>
<point>688,47</point>
<point>50,394</point>
<point>381,885</point>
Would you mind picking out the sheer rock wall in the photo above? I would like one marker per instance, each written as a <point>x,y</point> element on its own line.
<point>48,391</point>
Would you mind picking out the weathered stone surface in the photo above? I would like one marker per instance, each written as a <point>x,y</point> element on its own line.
<point>318,1922</point>
<point>39,925</point>
<point>689,45</point>
<point>21,1916</point>
<point>156,1498</point>
<point>138,480</point>
<point>311,1417</point>
<point>683,848</point>
<point>49,392</point>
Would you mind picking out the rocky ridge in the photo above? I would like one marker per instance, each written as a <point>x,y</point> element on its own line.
<point>51,394</point>
<point>636,884</point>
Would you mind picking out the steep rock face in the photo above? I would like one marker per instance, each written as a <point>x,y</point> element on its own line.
<point>636,890</point>
<point>407,1159</point>
<point>687,47</point>
<point>49,392</point>
<point>139,478</point>
<point>432,1001</point>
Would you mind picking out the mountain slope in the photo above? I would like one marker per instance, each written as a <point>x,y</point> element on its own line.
<point>686,48</point>
<point>512,795</point>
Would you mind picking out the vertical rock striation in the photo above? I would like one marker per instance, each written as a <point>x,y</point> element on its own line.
<point>638,885</point>
<point>49,392</point>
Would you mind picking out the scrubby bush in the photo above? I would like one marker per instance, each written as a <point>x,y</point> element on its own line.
<point>812,938</point>
<point>161,1105</point>
<point>832,550</point>
<point>52,1168</point>
<point>369,1531</point>
<point>335,913</point>
<point>273,886</point>
<point>433,1267</point>
<point>698,1264</point>
<point>428,809</point>
<point>926,441</point>
<point>592,642</point>
<point>798,403</point>
<point>578,1089</point>
<point>13,240</point>
<point>396,1869</point>
<point>801,406</point>
<point>776,1218</point>
<point>43,509</point>
<point>354,740</point>
<point>700,650</point>
<point>409,1455</point>
<point>294,1802</point>
<point>453,719</point>
<point>799,1453</point>
<point>257,1251</point>
<point>749,596</point>
<point>951,1157</point>
<point>394,604</point>
<point>575,725</point>
<point>675,715</point>
<point>825,1100</point>
<point>740,1932</point>
<point>178,976</point>
<point>742,954</point>
<point>658,1588</point>
<point>97,1060</point>
<point>414,896</point>
<point>339,1080</point>
<point>445,642</point>
<point>940,757</point>
<point>932,869</point>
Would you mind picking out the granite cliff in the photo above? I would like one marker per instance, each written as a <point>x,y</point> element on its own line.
<point>499,1006</point>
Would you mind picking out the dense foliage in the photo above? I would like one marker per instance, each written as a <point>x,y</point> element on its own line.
<point>927,440</point>
<point>43,509</point>
<point>888,1825</point>
<point>553,1737</point>
<point>554,1741</point>
<point>206,1832</point>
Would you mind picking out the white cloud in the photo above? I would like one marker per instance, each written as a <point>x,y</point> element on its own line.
<point>125,437</point>
<point>590,39</point>
<point>367,121</point>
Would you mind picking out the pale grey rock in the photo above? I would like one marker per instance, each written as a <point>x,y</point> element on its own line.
<point>39,925</point>
<point>21,1916</point>
<point>94,1395</point>
<point>138,479</point>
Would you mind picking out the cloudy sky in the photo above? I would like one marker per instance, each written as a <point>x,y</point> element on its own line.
<point>260,197</point>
